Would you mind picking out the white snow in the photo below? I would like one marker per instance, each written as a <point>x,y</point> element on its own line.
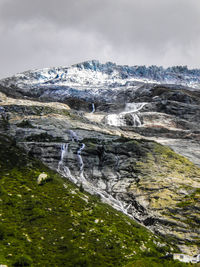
<point>96,79</point>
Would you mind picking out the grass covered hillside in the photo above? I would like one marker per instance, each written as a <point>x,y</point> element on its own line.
<point>55,223</point>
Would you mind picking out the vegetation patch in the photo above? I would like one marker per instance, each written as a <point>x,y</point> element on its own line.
<point>57,224</point>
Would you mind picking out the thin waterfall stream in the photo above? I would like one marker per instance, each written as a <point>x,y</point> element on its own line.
<point>62,169</point>
<point>93,108</point>
<point>81,163</point>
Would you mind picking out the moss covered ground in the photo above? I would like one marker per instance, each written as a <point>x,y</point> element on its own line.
<point>162,166</point>
<point>56,224</point>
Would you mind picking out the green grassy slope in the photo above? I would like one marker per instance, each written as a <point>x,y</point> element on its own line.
<point>55,224</point>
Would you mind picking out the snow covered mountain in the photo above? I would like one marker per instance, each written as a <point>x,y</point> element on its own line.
<point>95,74</point>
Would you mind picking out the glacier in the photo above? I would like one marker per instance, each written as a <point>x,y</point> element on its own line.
<point>95,74</point>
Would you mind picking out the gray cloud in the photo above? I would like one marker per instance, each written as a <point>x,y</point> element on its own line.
<point>38,34</point>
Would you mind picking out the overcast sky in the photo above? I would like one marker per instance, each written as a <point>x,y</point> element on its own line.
<point>45,33</point>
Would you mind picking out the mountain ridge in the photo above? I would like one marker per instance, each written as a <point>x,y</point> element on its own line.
<point>121,74</point>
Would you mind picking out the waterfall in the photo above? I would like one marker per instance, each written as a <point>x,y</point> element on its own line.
<point>116,203</point>
<point>136,120</point>
<point>81,164</point>
<point>88,186</point>
<point>93,108</point>
<point>65,171</point>
<point>134,107</point>
<point>122,207</point>
<point>64,150</point>
<point>116,120</point>
<point>130,108</point>
<point>62,169</point>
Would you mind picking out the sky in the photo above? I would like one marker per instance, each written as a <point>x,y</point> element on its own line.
<point>51,33</point>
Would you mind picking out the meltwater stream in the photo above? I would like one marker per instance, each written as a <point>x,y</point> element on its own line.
<point>62,169</point>
<point>120,120</point>
<point>81,175</point>
<point>65,171</point>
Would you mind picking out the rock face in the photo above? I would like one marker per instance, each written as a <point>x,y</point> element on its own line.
<point>102,134</point>
<point>69,226</point>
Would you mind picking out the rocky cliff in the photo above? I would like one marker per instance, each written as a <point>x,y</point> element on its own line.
<point>116,136</point>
